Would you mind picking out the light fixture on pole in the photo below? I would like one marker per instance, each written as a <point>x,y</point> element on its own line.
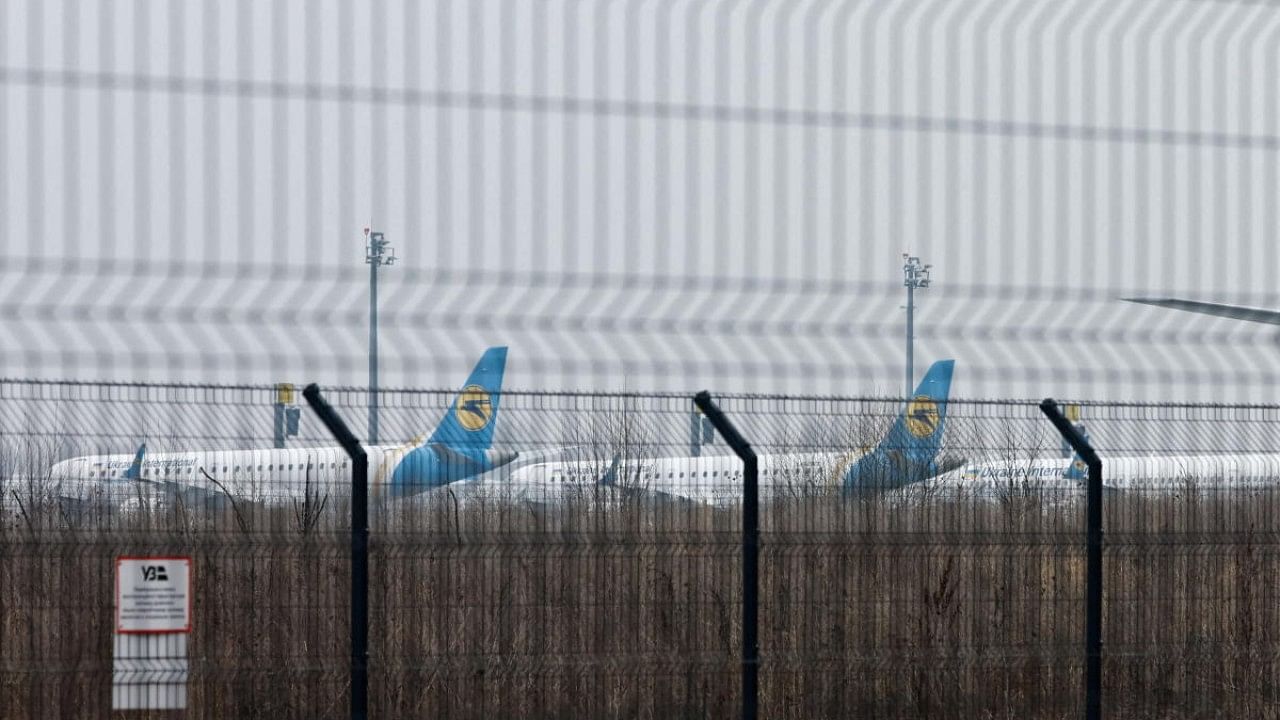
<point>378,251</point>
<point>915,276</point>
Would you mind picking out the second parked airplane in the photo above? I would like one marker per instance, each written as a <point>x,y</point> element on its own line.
<point>907,454</point>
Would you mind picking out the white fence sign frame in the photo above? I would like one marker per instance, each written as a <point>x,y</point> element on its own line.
<point>152,620</point>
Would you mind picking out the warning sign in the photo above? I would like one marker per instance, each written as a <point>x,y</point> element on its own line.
<point>153,595</point>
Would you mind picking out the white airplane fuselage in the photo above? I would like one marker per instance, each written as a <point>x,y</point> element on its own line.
<point>1126,473</point>
<point>270,476</point>
<point>715,480</point>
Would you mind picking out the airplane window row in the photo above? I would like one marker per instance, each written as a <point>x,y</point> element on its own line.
<point>573,476</point>
<point>148,472</point>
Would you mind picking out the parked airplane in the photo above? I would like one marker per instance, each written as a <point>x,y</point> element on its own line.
<point>459,448</point>
<point>1123,473</point>
<point>906,455</point>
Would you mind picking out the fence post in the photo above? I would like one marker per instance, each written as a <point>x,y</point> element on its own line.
<point>359,549</point>
<point>750,552</point>
<point>1093,566</point>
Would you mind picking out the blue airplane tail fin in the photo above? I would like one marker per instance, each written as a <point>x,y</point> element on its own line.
<point>470,421</point>
<point>1078,469</point>
<point>135,470</point>
<point>907,452</point>
<point>610,476</point>
<point>918,430</point>
<point>460,446</point>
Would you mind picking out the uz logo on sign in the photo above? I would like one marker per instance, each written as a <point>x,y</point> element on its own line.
<point>154,573</point>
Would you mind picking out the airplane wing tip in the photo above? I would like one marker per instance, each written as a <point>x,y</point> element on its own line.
<point>1224,310</point>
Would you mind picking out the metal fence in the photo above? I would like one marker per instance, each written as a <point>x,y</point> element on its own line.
<point>612,591</point>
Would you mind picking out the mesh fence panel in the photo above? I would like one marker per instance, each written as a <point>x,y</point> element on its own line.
<point>599,572</point>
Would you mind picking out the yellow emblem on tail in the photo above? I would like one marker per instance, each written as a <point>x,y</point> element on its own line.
<point>474,408</point>
<point>922,416</point>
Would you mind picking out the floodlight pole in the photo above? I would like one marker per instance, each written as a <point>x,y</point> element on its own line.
<point>378,251</point>
<point>915,276</point>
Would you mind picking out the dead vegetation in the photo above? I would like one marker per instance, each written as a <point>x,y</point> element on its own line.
<point>880,606</point>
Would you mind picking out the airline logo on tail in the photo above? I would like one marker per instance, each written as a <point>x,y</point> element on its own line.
<point>922,416</point>
<point>474,408</point>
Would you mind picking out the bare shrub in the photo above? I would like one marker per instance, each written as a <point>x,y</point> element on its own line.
<point>869,608</point>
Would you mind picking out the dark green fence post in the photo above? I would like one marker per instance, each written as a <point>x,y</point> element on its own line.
<point>1093,566</point>
<point>359,550</point>
<point>750,552</point>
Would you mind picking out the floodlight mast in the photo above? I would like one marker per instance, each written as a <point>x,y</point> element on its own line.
<point>915,275</point>
<point>378,251</point>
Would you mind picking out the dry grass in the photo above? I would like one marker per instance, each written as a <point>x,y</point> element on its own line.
<point>878,607</point>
